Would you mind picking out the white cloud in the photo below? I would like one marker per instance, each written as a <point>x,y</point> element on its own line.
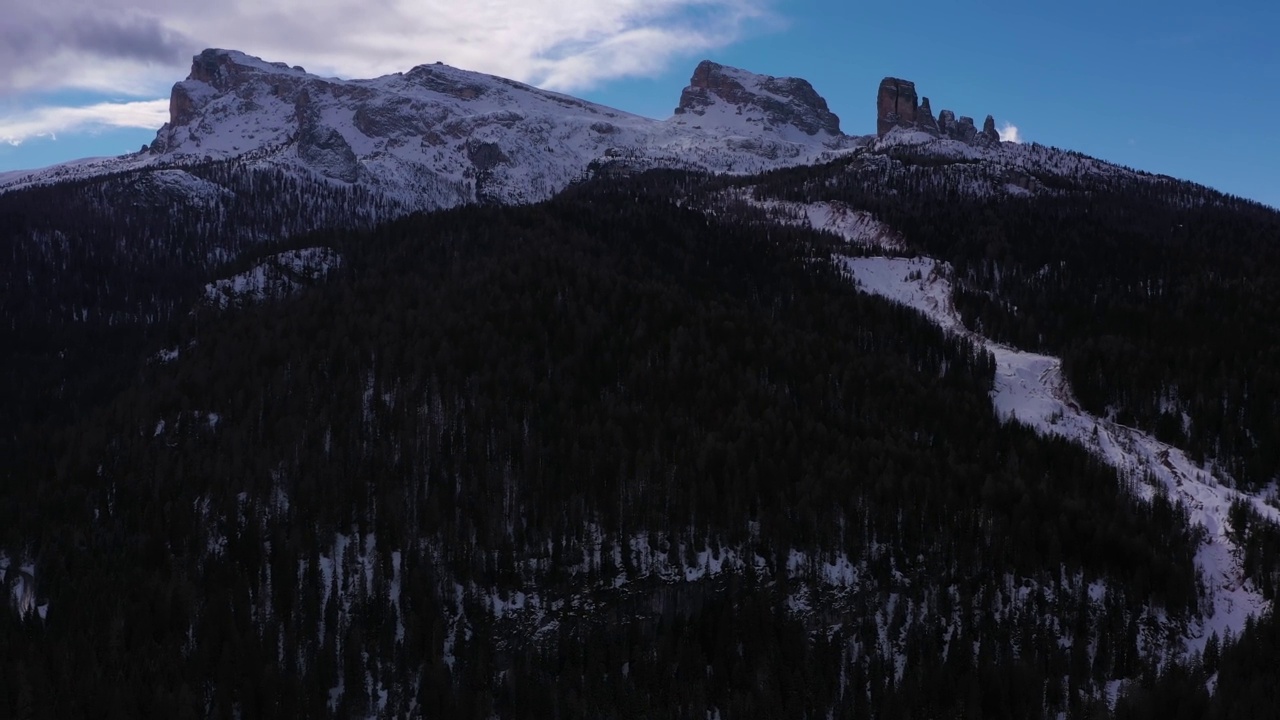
<point>146,44</point>
<point>49,121</point>
<point>1009,133</point>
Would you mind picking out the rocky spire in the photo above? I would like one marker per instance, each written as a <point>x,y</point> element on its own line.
<point>989,130</point>
<point>895,105</point>
<point>924,118</point>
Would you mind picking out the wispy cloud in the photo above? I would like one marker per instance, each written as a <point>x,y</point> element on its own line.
<point>557,44</point>
<point>50,121</point>
<point>1009,133</point>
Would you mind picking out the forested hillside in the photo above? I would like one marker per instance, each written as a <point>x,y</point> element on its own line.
<point>1161,296</point>
<point>610,455</point>
<point>94,268</point>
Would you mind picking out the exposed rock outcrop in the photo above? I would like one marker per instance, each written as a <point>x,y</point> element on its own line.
<point>924,118</point>
<point>768,100</point>
<point>897,107</point>
<point>946,122</point>
<point>182,108</point>
<point>325,150</point>
<point>989,131</point>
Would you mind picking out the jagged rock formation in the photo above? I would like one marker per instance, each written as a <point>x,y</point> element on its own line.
<point>924,118</point>
<point>989,130</point>
<point>946,122</point>
<point>897,107</point>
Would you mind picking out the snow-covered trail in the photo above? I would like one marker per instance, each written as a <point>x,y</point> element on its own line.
<point>1031,389</point>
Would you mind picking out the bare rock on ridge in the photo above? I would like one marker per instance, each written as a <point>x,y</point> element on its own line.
<point>895,105</point>
<point>776,101</point>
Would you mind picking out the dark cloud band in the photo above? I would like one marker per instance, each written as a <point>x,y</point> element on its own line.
<point>29,34</point>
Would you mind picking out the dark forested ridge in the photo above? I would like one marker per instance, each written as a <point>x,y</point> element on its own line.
<point>93,269</point>
<point>604,456</point>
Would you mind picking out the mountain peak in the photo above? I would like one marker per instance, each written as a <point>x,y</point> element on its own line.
<point>217,70</point>
<point>716,89</point>
<point>219,67</point>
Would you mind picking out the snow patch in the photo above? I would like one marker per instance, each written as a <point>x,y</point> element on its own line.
<point>855,227</point>
<point>20,583</point>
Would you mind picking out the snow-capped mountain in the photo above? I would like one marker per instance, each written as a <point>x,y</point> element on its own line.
<point>742,103</point>
<point>437,136</point>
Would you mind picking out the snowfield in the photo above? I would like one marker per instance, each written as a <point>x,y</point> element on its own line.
<point>1029,388</point>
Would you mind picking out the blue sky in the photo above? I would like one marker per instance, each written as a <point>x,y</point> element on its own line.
<point>1186,89</point>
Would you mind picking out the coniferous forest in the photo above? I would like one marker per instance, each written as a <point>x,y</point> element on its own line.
<point>624,453</point>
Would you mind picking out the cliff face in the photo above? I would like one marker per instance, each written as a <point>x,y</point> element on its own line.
<point>898,106</point>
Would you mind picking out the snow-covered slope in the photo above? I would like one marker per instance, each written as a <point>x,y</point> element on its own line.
<point>1030,388</point>
<point>436,136</point>
<point>855,227</point>
<point>1004,168</point>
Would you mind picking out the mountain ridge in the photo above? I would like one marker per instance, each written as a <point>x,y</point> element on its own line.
<point>437,136</point>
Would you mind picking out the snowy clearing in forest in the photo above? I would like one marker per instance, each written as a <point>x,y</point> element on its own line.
<point>1031,389</point>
